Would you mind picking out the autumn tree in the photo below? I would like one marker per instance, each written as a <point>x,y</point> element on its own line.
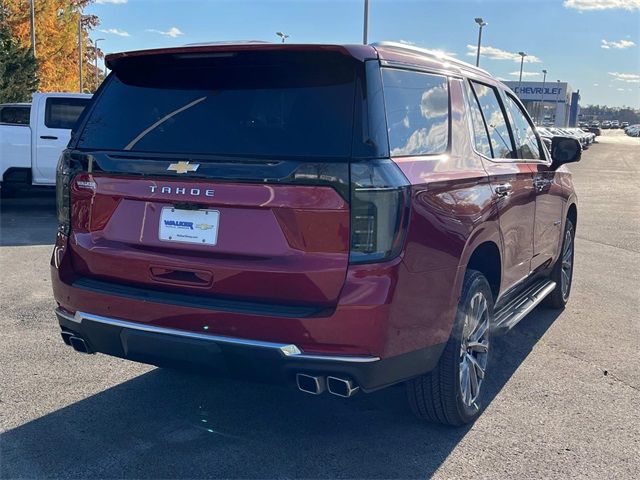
<point>18,78</point>
<point>56,25</point>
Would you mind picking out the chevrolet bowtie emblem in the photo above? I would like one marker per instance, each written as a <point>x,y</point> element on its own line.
<point>204,226</point>
<point>183,167</point>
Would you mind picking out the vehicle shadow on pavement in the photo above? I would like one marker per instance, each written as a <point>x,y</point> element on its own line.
<point>28,217</point>
<point>168,424</point>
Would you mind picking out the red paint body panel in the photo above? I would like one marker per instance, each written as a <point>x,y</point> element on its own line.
<point>275,242</point>
<point>517,214</point>
<point>359,324</point>
<point>550,200</point>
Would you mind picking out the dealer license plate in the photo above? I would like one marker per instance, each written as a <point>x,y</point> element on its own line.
<point>189,226</point>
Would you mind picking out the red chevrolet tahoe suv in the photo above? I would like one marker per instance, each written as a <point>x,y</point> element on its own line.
<point>341,217</point>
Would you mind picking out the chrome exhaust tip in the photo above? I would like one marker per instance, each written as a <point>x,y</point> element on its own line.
<point>66,337</point>
<point>79,345</point>
<point>342,387</point>
<point>310,383</point>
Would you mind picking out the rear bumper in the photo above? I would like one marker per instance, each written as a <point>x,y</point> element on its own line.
<point>236,357</point>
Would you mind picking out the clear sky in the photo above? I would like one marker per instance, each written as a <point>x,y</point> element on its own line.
<point>592,44</point>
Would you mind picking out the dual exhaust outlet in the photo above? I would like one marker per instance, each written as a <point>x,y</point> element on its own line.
<point>317,384</point>
<point>313,384</point>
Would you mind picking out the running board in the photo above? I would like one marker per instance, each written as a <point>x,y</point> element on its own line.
<point>508,315</point>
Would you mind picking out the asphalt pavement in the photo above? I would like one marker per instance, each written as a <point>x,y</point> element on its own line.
<point>564,387</point>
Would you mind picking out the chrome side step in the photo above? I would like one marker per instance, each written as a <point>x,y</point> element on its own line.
<point>508,315</point>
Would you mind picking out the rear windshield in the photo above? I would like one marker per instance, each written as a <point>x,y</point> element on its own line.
<point>248,104</point>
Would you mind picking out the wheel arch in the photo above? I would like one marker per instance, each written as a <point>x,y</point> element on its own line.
<point>20,175</point>
<point>483,252</point>
<point>486,259</point>
<point>572,214</point>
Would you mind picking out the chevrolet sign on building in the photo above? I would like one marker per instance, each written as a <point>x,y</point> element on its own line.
<point>549,102</point>
<point>533,91</point>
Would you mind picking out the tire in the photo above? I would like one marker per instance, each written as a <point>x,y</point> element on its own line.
<point>563,278</point>
<point>438,396</point>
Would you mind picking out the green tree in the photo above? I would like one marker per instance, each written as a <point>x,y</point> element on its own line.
<point>56,32</point>
<point>18,78</point>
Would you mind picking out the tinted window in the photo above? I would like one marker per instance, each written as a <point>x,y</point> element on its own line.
<point>480,135</point>
<point>250,104</point>
<point>525,137</point>
<point>15,115</point>
<point>494,119</point>
<point>63,112</point>
<point>417,106</point>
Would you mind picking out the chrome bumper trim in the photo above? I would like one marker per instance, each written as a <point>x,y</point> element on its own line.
<point>286,350</point>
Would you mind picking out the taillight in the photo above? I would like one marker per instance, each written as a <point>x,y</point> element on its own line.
<point>65,171</point>
<point>379,211</point>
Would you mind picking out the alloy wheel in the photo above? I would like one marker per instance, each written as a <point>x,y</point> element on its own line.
<point>567,264</point>
<point>474,349</point>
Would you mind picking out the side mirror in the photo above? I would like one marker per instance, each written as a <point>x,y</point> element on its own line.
<point>565,150</point>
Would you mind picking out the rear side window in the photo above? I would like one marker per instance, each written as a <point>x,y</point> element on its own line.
<point>494,119</point>
<point>480,134</point>
<point>63,112</point>
<point>417,107</point>
<point>246,104</point>
<point>525,137</point>
<point>15,115</point>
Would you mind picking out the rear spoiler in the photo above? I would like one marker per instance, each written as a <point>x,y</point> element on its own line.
<point>358,52</point>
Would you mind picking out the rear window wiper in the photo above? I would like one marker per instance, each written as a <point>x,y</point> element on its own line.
<point>142,134</point>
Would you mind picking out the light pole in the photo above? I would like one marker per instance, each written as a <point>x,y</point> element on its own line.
<point>80,18</point>
<point>32,9</point>
<point>282,35</point>
<point>80,50</point>
<point>365,28</point>
<point>481,23</point>
<point>544,80</point>
<point>522,55</point>
<point>95,48</point>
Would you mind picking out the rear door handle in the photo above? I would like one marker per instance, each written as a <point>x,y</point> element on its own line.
<point>503,189</point>
<point>48,137</point>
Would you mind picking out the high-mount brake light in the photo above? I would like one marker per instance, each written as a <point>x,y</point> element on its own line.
<point>379,211</point>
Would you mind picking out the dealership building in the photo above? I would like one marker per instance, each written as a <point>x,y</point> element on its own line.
<point>549,103</point>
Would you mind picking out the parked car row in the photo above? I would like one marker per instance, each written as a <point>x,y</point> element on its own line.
<point>595,130</point>
<point>586,138</point>
<point>633,130</point>
<point>606,124</point>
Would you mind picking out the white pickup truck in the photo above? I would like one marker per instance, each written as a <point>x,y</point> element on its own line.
<point>32,136</point>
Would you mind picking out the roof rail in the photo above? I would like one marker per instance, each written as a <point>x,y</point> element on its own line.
<point>430,53</point>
